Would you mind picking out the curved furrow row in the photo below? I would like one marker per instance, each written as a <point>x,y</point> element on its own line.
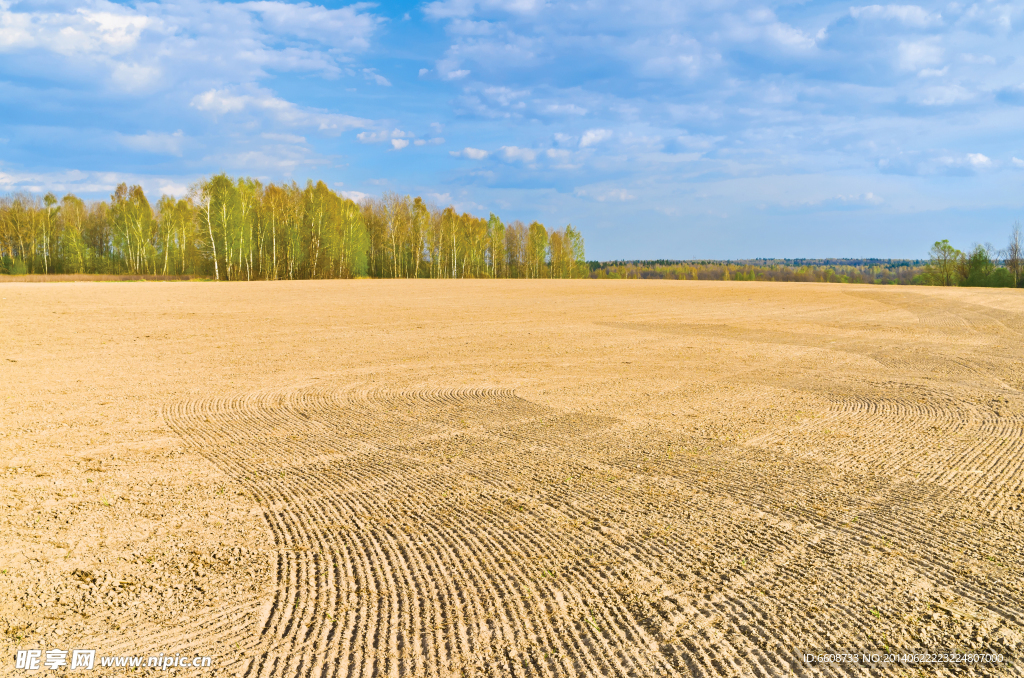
<point>447,531</point>
<point>287,541</point>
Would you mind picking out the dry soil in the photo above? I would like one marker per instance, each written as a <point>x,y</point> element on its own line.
<point>529,478</point>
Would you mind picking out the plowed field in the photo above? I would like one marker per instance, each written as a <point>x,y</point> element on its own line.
<point>529,478</point>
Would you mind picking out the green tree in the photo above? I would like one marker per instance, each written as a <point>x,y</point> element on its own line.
<point>496,238</point>
<point>943,267</point>
<point>537,245</point>
<point>1013,255</point>
<point>134,227</point>
<point>217,205</point>
<point>977,268</point>
<point>577,253</point>
<point>75,254</point>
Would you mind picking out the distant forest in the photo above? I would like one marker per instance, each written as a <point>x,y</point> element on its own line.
<point>239,229</point>
<point>877,271</point>
<point>982,266</point>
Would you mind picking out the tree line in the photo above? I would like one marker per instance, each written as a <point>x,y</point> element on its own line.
<point>880,272</point>
<point>240,229</point>
<point>982,266</point>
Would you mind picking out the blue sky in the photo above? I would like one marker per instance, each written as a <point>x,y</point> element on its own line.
<point>661,129</point>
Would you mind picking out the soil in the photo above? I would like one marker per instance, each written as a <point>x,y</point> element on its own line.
<point>529,478</point>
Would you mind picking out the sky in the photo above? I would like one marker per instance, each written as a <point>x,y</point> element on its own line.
<point>679,130</point>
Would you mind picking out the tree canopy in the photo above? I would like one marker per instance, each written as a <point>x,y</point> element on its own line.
<point>239,229</point>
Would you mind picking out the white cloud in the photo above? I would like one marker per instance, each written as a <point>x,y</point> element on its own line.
<point>561,158</point>
<point>471,153</point>
<point>224,101</point>
<point>788,37</point>
<point>355,196</point>
<point>914,56</point>
<point>172,188</point>
<point>980,59</point>
<point>424,71</point>
<point>699,141</point>
<point>346,29</point>
<point>84,183</point>
<point>383,135</point>
<point>1017,162</point>
<point>979,160</point>
<point>908,15</point>
<point>868,198</point>
<point>435,141</point>
<point>449,69</point>
<point>154,142</point>
<point>966,161</point>
<point>132,77</point>
<point>162,45</point>
<point>217,101</point>
<point>762,25</point>
<point>594,136</point>
<point>565,109</point>
<point>505,96</point>
<point>371,74</point>
<point>514,153</point>
<point>81,32</point>
<point>942,96</point>
<point>399,144</point>
<point>456,9</point>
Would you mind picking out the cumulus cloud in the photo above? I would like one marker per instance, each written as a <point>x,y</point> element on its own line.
<point>460,9</point>
<point>83,183</point>
<point>979,160</point>
<point>399,144</point>
<point>565,109</point>
<point>594,136</point>
<point>449,69</point>
<point>917,55</point>
<point>471,153</point>
<point>161,44</point>
<point>1017,162</point>
<point>223,102</point>
<point>761,24</point>
<point>514,153</point>
<point>346,28</point>
<point>909,15</point>
<point>868,198</point>
<point>944,95</point>
<point>373,76</point>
